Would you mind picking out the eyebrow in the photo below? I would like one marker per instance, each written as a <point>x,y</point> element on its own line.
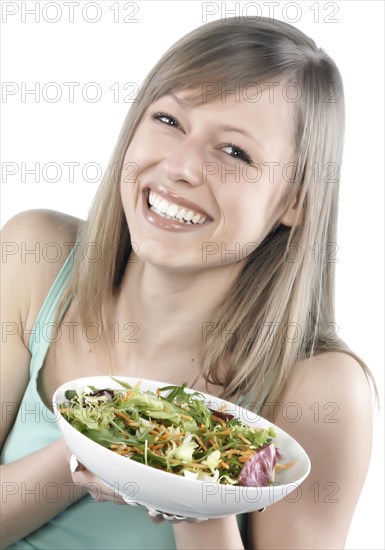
<point>227,128</point>
<point>182,102</point>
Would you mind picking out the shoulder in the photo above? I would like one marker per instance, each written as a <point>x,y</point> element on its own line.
<point>36,240</point>
<point>330,378</point>
<point>35,245</point>
<point>40,225</point>
<point>330,373</point>
<point>328,397</point>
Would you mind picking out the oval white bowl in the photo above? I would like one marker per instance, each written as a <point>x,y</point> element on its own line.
<point>171,493</point>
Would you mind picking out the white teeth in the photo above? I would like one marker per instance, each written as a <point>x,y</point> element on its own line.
<point>163,206</point>
<point>179,215</point>
<point>173,211</point>
<point>189,216</point>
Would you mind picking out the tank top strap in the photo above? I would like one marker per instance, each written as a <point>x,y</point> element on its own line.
<point>42,334</point>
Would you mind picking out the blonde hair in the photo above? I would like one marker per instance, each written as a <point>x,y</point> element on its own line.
<point>280,309</point>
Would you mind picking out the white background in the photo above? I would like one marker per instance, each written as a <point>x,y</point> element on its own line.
<point>35,130</point>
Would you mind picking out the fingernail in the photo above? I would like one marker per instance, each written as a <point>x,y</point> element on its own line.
<point>129,501</point>
<point>74,464</point>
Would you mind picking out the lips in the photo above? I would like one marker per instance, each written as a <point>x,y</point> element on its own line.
<point>180,221</point>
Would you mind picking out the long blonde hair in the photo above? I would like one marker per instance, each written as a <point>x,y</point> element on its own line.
<point>281,308</point>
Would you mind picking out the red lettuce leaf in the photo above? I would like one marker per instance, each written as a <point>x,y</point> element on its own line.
<point>258,471</point>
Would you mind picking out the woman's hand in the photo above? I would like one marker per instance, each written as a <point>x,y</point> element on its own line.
<point>91,484</point>
<point>100,492</point>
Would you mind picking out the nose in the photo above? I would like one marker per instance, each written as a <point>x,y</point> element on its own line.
<point>185,162</point>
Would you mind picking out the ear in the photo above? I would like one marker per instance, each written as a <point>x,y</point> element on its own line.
<point>294,214</point>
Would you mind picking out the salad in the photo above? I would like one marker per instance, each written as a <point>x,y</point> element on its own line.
<point>175,431</point>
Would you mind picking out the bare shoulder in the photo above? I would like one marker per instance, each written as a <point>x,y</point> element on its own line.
<point>35,245</point>
<point>40,226</point>
<point>329,375</point>
<point>327,408</point>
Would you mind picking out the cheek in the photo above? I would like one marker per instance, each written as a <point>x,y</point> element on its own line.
<point>144,150</point>
<point>249,212</point>
<point>245,207</point>
<point>135,158</point>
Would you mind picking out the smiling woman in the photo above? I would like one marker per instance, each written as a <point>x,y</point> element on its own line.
<point>229,166</point>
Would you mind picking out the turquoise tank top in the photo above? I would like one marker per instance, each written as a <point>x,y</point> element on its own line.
<point>86,524</point>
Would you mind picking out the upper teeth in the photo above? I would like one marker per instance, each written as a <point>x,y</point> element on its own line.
<point>171,210</point>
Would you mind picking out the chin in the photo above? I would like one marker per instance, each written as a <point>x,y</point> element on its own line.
<point>160,256</point>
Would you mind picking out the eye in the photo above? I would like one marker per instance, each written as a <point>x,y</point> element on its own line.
<point>238,152</point>
<point>166,119</point>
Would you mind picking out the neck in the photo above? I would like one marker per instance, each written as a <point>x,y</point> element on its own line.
<point>168,313</point>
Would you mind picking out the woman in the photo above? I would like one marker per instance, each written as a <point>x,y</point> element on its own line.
<point>196,264</point>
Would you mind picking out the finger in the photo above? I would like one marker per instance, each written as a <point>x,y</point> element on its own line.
<point>155,516</point>
<point>196,520</point>
<point>158,517</point>
<point>130,501</point>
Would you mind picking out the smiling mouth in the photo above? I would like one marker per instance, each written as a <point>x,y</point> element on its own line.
<point>172,211</point>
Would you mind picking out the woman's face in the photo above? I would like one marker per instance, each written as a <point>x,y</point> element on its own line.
<point>221,165</point>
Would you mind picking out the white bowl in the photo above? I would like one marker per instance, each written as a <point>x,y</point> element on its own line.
<point>171,493</point>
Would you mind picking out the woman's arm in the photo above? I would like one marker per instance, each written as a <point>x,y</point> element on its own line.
<point>25,280</point>
<point>35,489</point>
<point>327,408</point>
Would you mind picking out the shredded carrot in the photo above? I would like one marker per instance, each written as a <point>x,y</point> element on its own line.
<point>219,420</point>
<point>176,436</point>
<point>200,442</point>
<point>156,447</point>
<point>244,439</point>
<point>245,456</point>
<point>127,396</point>
<point>226,432</point>
<point>213,442</point>
<point>127,419</point>
<point>232,452</point>
<point>280,467</point>
<point>138,450</point>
